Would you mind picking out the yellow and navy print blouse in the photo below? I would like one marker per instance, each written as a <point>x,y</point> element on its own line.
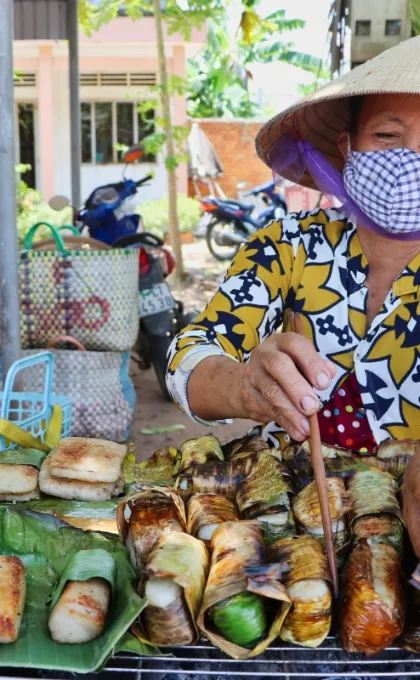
<point>313,263</point>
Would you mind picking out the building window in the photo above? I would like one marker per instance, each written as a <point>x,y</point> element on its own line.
<point>393,27</point>
<point>26,147</point>
<point>363,28</point>
<point>107,125</point>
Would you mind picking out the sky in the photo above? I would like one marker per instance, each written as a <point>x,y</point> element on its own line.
<point>279,82</point>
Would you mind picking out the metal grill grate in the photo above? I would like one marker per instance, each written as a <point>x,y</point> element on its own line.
<point>280,661</point>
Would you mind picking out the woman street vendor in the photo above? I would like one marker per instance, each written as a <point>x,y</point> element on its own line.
<point>353,275</point>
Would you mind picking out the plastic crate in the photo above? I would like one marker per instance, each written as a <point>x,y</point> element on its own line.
<point>32,410</point>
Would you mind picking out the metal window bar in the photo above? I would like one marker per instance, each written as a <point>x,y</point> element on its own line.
<point>289,662</point>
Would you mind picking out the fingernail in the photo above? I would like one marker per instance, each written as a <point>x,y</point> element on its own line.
<point>322,380</point>
<point>305,425</point>
<point>309,403</point>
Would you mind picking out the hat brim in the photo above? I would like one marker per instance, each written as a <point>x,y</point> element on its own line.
<point>323,115</point>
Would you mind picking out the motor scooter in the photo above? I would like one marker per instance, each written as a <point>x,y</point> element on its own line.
<point>234,221</point>
<point>105,218</point>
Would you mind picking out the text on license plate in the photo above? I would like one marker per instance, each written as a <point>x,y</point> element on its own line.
<point>156,299</point>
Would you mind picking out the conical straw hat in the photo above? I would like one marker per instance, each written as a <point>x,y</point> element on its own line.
<point>322,115</point>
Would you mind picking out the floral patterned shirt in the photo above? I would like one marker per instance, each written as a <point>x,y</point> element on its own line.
<point>313,263</point>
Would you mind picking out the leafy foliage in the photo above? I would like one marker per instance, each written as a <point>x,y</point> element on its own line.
<point>155,214</point>
<point>415,15</point>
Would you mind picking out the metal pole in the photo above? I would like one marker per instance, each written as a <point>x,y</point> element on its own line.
<point>75,134</point>
<point>9,278</point>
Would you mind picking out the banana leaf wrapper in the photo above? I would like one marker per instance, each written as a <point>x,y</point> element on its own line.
<point>22,457</point>
<point>161,467</point>
<point>373,604</point>
<point>307,580</point>
<point>199,451</point>
<point>209,509</point>
<point>84,565</point>
<point>89,516</point>
<point>144,517</point>
<point>44,544</point>
<point>410,639</point>
<point>265,490</point>
<point>246,445</point>
<point>396,455</point>
<point>373,499</point>
<point>185,560</point>
<point>217,477</point>
<point>338,463</point>
<point>236,547</point>
<point>274,532</point>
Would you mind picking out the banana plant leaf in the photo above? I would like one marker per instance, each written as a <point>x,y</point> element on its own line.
<point>89,516</point>
<point>199,451</point>
<point>22,457</point>
<point>161,467</point>
<point>44,544</point>
<point>84,565</point>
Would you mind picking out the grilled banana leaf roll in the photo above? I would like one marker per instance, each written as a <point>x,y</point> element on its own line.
<point>199,451</point>
<point>144,517</point>
<point>375,510</point>
<point>162,467</point>
<point>373,607</point>
<point>397,454</point>
<point>206,511</point>
<point>410,639</point>
<point>173,584</point>
<point>241,614</point>
<point>307,512</point>
<point>308,585</point>
<point>338,463</point>
<point>246,445</point>
<point>265,495</point>
<point>218,477</point>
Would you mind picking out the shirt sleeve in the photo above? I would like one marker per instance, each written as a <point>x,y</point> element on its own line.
<point>247,308</point>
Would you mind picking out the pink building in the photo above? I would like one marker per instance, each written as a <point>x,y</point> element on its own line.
<point>117,67</point>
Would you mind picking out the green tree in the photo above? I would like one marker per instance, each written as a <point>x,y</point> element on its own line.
<point>415,15</point>
<point>219,76</point>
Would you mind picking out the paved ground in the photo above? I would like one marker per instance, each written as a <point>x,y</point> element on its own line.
<point>153,411</point>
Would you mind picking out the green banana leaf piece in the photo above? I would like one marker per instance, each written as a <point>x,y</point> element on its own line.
<point>22,457</point>
<point>240,619</point>
<point>84,565</point>
<point>44,543</point>
<point>87,515</point>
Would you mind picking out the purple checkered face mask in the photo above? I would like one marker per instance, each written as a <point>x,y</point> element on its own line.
<point>386,186</point>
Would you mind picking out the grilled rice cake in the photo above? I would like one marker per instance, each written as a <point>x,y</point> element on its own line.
<point>77,490</point>
<point>21,497</point>
<point>80,613</point>
<point>12,597</point>
<point>18,478</point>
<point>88,460</point>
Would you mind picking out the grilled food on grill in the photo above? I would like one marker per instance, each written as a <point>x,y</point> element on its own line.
<point>217,477</point>
<point>374,507</point>
<point>161,467</point>
<point>80,613</point>
<point>88,460</point>
<point>145,516</point>
<point>234,614</point>
<point>176,574</point>
<point>307,511</point>
<point>199,451</point>
<point>264,495</point>
<point>12,597</point>
<point>206,511</point>
<point>19,472</point>
<point>373,610</point>
<point>396,454</point>
<point>245,446</point>
<point>308,585</point>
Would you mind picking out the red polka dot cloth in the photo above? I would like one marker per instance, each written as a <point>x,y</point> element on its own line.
<point>343,422</point>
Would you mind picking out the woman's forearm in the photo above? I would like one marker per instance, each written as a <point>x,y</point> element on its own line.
<point>212,389</point>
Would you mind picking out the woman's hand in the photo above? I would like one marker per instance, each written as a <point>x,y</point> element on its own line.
<point>277,383</point>
<point>411,501</point>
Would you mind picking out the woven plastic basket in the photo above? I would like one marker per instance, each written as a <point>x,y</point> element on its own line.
<point>32,411</point>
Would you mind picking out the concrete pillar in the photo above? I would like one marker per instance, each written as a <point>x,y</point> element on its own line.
<point>46,120</point>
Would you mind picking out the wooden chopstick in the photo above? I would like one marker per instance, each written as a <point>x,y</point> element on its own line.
<point>320,478</point>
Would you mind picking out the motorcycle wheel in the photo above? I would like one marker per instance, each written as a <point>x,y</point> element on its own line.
<point>220,252</point>
<point>159,346</point>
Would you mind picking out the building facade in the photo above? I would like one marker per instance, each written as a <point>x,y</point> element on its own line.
<point>118,66</point>
<point>377,26</point>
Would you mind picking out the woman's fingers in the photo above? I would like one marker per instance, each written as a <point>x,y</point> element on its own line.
<point>318,371</point>
<point>282,377</point>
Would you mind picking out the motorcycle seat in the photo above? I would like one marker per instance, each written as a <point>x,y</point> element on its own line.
<point>246,207</point>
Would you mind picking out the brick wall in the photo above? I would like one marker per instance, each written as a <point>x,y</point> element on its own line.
<point>234,142</point>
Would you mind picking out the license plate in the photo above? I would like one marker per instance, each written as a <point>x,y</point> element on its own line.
<point>156,299</point>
